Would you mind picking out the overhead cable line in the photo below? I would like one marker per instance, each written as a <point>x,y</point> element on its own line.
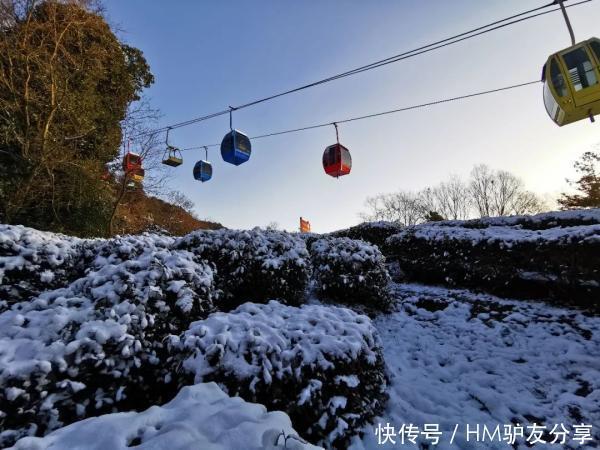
<point>383,113</point>
<point>498,24</point>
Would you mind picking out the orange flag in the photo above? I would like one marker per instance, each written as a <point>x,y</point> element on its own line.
<point>304,226</point>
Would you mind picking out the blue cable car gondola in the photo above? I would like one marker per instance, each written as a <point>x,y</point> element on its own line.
<point>203,169</point>
<point>236,146</point>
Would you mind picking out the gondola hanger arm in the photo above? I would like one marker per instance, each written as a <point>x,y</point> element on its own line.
<point>567,21</point>
<point>231,110</point>
<point>167,137</point>
<point>337,136</point>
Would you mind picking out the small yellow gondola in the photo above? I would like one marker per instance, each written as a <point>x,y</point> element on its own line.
<point>570,77</point>
<point>572,83</point>
<point>172,156</point>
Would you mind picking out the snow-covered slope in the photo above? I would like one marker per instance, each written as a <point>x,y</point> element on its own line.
<point>458,358</point>
<point>201,417</point>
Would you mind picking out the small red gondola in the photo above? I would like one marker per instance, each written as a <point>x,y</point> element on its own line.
<point>132,165</point>
<point>337,161</point>
<point>132,162</point>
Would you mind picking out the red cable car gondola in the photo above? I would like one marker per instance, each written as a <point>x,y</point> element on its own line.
<point>337,161</point>
<point>132,162</point>
<point>132,165</point>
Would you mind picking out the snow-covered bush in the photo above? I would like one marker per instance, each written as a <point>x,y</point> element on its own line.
<point>121,248</point>
<point>256,265</point>
<point>543,221</point>
<point>32,261</point>
<point>561,263</point>
<point>375,233</point>
<point>199,417</point>
<point>322,365</point>
<point>98,345</point>
<point>350,271</point>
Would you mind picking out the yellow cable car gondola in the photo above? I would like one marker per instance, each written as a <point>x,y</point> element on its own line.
<point>172,156</point>
<point>571,80</point>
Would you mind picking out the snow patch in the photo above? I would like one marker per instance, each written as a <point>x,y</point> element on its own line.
<point>199,417</point>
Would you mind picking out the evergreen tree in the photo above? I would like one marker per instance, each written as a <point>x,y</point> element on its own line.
<point>433,216</point>
<point>588,184</point>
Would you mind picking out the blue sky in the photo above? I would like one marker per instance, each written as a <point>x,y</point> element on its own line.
<point>207,55</point>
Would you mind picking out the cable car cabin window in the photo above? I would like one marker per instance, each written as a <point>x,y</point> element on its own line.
<point>558,80</point>
<point>346,158</point>
<point>207,170</point>
<point>580,69</point>
<point>550,103</point>
<point>596,47</point>
<point>331,156</point>
<point>242,143</point>
<point>227,141</point>
<point>338,154</point>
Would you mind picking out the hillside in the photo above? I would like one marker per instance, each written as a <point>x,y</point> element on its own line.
<point>139,212</point>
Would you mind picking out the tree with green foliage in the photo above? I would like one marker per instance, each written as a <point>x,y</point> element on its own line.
<point>66,83</point>
<point>588,184</point>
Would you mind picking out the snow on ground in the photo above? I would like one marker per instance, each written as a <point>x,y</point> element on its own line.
<point>201,417</point>
<point>461,358</point>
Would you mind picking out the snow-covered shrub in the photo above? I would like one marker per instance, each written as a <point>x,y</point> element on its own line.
<point>32,261</point>
<point>350,271</point>
<point>322,365</point>
<point>185,423</point>
<point>256,265</point>
<point>309,238</point>
<point>98,345</point>
<point>375,233</point>
<point>543,221</point>
<point>561,263</point>
<point>121,248</point>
